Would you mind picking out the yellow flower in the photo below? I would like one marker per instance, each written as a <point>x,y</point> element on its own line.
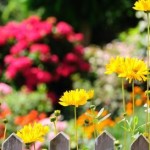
<point>134,69</point>
<point>90,94</point>
<point>129,68</point>
<point>115,65</point>
<point>31,133</point>
<point>142,5</point>
<point>76,97</point>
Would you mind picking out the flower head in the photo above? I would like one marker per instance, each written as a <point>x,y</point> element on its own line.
<point>134,69</point>
<point>89,122</point>
<point>142,5</point>
<point>115,65</point>
<point>76,97</point>
<point>31,133</point>
<point>129,68</point>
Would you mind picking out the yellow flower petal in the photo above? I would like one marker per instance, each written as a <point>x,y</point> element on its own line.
<point>142,5</point>
<point>32,133</point>
<point>76,97</point>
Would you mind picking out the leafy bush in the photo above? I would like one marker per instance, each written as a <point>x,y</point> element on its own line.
<point>37,51</point>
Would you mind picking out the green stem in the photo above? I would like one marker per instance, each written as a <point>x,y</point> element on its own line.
<point>123,97</point>
<point>55,128</point>
<point>148,65</point>
<point>133,96</point>
<point>5,132</point>
<point>124,109</point>
<point>95,133</point>
<point>94,124</point>
<point>76,133</point>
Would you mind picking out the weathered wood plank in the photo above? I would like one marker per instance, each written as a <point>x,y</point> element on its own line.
<point>140,143</point>
<point>60,142</point>
<point>104,142</point>
<point>12,143</point>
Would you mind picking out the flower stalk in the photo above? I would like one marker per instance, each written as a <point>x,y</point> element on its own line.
<point>5,130</point>
<point>124,109</point>
<point>148,64</point>
<point>76,132</point>
<point>123,96</point>
<point>133,97</point>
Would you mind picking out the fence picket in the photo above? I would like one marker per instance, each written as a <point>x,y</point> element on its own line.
<point>140,143</point>
<point>12,143</point>
<point>60,142</point>
<point>104,142</point>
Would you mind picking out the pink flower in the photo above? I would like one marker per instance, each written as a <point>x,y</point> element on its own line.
<point>9,59</point>
<point>18,47</point>
<point>71,58</point>
<point>3,37</point>
<point>54,59</point>
<point>44,28</point>
<point>9,31</point>
<point>18,65</point>
<point>60,125</point>
<point>78,49</point>
<point>63,28</point>
<point>5,88</point>
<point>41,48</point>
<point>84,66</point>
<point>75,37</point>
<point>65,70</point>
<point>10,72</point>
<point>39,76</point>
<point>32,20</point>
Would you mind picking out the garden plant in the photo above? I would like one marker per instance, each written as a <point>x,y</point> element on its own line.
<point>44,65</point>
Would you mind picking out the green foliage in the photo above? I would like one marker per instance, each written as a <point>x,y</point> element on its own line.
<point>15,10</point>
<point>28,101</point>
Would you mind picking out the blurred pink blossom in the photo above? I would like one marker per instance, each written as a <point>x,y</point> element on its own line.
<point>75,37</point>
<point>20,64</point>
<point>64,28</point>
<point>5,88</point>
<point>60,125</point>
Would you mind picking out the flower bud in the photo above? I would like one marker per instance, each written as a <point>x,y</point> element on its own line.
<point>92,107</point>
<point>5,121</point>
<point>57,113</point>
<point>52,119</point>
<point>124,114</point>
<point>117,143</point>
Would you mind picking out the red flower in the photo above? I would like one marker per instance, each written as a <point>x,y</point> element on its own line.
<point>41,48</point>
<point>35,76</point>
<point>5,111</point>
<point>2,128</point>
<point>9,59</point>
<point>65,70</point>
<point>71,58</point>
<point>78,49</point>
<point>18,47</point>
<point>29,118</point>
<point>75,37</point>
<point>18,65</point>
<point>54,59</point>
<point>63,28</point>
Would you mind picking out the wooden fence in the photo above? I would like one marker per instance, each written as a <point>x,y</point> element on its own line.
<point>61,142</point>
